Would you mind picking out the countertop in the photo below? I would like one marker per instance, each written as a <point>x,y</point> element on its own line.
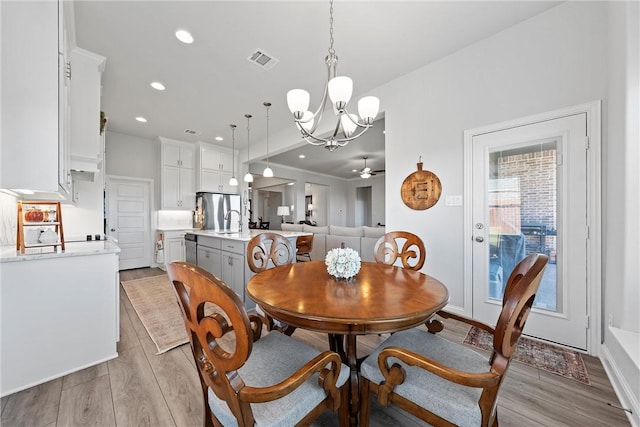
<point>245,236</point>
<point>94,247</point>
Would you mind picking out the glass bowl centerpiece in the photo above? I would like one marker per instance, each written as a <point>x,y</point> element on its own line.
<point>342,263</point>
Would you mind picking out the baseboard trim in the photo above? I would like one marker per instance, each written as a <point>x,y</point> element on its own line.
<point>620,386</point>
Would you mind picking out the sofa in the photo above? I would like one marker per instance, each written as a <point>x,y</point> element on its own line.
<point>362,239</point>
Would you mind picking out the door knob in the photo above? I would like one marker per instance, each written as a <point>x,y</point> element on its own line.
<point>479,239</point>
<point>113,229</point>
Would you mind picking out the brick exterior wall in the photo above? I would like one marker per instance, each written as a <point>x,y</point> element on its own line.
<point>537,196</point>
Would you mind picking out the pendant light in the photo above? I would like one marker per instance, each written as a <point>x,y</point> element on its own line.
<point>248,177</point>
<point>268,172</point>
<point>233,181</point>
<point>337,92</point>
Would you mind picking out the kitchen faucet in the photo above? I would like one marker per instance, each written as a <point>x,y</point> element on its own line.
<point>228,215</point>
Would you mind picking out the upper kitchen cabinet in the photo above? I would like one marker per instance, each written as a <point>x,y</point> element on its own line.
<point>177,175</point>
<point>215,168</point>
<point>86,141</point>
<point>35,96</point>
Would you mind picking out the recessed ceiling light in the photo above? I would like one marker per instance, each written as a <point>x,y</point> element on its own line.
<point>290,183</point>
<point>141,119</point>
<point>184,36</point>
<point>157,86</point>
<point>302,156</point>
<point>354,170</point>
<point>219,138</point>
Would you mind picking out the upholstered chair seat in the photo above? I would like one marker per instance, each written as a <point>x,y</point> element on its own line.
<point>261,371</point>
<point>456,403</point>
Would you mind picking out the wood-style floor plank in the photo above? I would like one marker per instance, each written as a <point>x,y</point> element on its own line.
<point>85,375</point>
<point>87,404</point>
<point>36,406</point>
<point>179,383</point>
<point>137,398</point>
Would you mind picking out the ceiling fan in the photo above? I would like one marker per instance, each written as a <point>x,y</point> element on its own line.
<point>367,172</point>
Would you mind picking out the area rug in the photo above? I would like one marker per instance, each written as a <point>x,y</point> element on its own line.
<point>156,305</point>
<point>550,358</point>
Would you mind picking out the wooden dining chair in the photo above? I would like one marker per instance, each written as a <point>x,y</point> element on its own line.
<point>400,244</point>
<point>267,250</point>
<point>248,379</point>
<point>446,383</point>
<point>304,246</point>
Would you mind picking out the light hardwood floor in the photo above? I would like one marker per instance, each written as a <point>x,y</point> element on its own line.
<point>140,388</point>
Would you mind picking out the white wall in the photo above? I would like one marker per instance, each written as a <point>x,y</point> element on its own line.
<point>551,61</point>
<point>86,216</point>
<point>620,198</point>
<point>621,159</point>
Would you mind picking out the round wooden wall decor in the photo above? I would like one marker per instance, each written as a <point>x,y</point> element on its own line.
<point>421,189</point>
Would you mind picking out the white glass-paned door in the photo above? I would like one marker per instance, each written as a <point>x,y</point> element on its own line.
<point>529,196</point>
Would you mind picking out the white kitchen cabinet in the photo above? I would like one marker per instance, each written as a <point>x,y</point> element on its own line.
<point>177,175</point>
<point>215,168</point>
<point>59,314</point>
<point>209,254</point>
<point>35,93</point>
<point>179,154</point>
<point>233,272</point>
<point>173,245</point>
<point>216,182</point>
<point>86,140</point>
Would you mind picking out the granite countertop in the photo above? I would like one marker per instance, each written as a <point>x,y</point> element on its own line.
<point>94,247</point>
<point>245,236</point>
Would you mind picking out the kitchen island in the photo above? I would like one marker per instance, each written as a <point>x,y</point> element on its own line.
<point>223,254</point>
<point>59,311</point>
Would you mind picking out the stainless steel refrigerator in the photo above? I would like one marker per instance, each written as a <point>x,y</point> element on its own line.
<point>212,211</point>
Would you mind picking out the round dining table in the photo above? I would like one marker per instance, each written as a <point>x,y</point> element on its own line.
<point>379,299</point>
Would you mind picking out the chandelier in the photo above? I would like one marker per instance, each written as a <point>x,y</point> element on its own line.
<point>339,88</point>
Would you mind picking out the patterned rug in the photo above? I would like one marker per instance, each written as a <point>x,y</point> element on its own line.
<point>550,358</point>
<point>156,305</point>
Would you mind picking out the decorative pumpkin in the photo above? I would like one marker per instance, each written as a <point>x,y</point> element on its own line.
<point>34,215</point>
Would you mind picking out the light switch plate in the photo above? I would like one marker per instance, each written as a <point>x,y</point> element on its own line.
<point>453,200</point>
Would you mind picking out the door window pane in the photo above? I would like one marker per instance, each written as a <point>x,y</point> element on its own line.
<point>522,206</point>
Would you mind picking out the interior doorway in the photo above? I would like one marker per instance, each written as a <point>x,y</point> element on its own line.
<point>363,206</point>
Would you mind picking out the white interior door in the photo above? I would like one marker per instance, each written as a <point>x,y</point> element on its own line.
<point>529,194</point>
<point>128,207</point>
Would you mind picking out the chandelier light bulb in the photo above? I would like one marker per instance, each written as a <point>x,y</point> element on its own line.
<point>307,120</point>
<point>340,90</point>
<point>348,125</point>
<point>298,100</point>
<point>368,108</point>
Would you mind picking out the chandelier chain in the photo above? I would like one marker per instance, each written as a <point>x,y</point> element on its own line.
<point>332,52</point>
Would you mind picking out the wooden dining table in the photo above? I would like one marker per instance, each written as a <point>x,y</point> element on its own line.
<point>379,299</point>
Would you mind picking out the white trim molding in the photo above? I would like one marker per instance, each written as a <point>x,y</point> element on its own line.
<point>618,376</point>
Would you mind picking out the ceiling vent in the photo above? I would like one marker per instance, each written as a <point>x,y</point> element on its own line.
<point>263,59</point>
<point>192,132</point>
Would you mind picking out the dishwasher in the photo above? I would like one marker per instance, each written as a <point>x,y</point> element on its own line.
<point>190,242</point>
